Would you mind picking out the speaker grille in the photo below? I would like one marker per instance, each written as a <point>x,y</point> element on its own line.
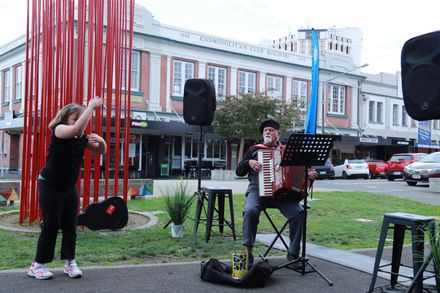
<point>199,102</point>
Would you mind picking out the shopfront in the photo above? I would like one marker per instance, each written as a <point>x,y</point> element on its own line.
<point>163,149</point>
<point>369,147</point>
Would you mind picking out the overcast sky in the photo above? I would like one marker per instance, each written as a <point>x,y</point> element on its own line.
<point>386,25</point>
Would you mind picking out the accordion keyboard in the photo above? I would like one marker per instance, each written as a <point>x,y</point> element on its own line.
<point>266,175</point>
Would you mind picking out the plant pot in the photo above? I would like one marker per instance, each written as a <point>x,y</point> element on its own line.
<point>177,230</point>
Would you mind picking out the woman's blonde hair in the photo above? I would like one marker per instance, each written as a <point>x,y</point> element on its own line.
<point>64,113</point>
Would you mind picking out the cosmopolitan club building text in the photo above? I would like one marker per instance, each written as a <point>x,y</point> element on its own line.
<point>355,107</point>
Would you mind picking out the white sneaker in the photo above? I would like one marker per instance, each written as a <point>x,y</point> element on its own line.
<point>71,269</point>
<point>39,271</point>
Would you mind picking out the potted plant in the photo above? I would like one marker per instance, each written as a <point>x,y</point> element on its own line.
<point>177,204</point>
<point>434,245</point>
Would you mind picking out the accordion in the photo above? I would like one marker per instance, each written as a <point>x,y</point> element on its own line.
<point>277,181</point>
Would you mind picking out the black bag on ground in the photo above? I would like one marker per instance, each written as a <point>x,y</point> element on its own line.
<point>215,271</point>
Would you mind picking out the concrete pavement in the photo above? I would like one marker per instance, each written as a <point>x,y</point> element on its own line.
<point>182,277</point>
<point>349,271</point>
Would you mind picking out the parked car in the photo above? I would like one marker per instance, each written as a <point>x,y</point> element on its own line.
<point>421,171</point>
<point>325,171</point>
<point>377,168</point>
<point>398,162</point>
<point>350,168</point>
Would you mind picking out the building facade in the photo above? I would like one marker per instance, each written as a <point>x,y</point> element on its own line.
<point>352,105</point>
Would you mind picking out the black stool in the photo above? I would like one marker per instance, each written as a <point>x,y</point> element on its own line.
<point>210,193</point>
<point>401,222</point>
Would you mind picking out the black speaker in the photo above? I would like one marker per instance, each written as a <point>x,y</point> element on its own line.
<point>420,61</point>
<point>199,101</point>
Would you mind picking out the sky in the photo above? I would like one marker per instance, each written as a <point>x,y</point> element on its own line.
<point>386,25</point>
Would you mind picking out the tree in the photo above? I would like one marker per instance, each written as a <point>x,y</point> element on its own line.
<point>240,117</point>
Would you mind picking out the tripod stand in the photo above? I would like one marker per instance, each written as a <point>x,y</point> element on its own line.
<point>199,192</point>
<point>306,150</point>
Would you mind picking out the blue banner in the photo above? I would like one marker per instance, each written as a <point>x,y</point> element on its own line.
<point>310,126</point>
<point>424,134</point>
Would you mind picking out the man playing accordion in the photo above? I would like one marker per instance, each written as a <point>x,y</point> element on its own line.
<point>255,202</point>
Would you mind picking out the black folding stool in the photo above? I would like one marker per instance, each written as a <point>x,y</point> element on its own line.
<point>278,232</point>
<point>278,235</point>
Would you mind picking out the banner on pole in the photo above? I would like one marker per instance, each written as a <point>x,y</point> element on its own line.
<point>310,126</point>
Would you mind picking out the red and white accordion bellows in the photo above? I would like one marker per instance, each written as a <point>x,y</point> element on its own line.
<point>275,180</point>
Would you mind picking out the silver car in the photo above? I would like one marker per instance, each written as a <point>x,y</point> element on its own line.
<point>421,171</point>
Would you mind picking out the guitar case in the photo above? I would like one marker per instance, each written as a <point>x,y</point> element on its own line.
<point>111,213</point>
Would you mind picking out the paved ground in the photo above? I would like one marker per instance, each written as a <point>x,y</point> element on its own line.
<point>183,277</point>
<point>350,271</point>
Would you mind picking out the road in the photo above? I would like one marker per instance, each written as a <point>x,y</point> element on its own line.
<point>398,188</point>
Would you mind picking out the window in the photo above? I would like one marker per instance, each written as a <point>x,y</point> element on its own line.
<point>191,148</point>
<point>379,112</point>
<point>436,124</point>
<point>371,106</point>
<point>299,94</point>
<point>218,76</point>
<point>6,85</point>
<point>247,83</point>
<point>404,117</point>
<point>274,87</point>
<point>182,72</point>
<point>395,114</point>
<point>337,99</point>
<point>302,47</point>
<point>18,82</point>
<point>216,149</point>
<point>135,76</point>
<point>375,112</point>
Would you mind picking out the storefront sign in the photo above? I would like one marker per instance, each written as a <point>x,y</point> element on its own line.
<point>428,146</point>
<point>369,139</point>
<point>402,142</point>
<point>140,124</point>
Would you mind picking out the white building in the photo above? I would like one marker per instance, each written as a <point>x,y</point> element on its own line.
<point>164,57</point>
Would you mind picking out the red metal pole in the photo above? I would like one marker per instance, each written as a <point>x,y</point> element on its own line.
<point>51,25</point>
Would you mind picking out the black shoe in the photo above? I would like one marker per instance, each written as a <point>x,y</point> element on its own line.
<point>292,257</point>
<point>295,266</point>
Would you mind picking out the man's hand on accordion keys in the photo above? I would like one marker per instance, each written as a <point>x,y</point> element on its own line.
<point>255,165</point>
<point>312,174</point>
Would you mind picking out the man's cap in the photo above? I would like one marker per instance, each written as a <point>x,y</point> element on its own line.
<point>269,123</point>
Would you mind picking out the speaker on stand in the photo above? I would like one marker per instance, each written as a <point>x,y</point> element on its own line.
<point>199,104</point>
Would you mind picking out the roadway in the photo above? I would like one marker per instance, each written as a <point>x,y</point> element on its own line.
<point>397,188</point>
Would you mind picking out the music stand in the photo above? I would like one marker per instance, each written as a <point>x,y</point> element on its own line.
<point>306,150</point>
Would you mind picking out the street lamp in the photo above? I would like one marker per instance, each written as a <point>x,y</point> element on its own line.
<point>324,88</point>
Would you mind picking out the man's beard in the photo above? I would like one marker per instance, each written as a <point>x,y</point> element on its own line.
<point>267,139</point>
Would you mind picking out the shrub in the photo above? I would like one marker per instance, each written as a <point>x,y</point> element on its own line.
<point>178,203</point>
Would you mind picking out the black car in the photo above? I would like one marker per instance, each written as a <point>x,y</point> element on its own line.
<point>326,171</point>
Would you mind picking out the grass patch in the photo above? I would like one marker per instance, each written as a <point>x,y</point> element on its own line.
<point>330,223</point>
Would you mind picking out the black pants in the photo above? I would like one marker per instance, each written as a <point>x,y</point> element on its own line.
<point>59,209</point>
